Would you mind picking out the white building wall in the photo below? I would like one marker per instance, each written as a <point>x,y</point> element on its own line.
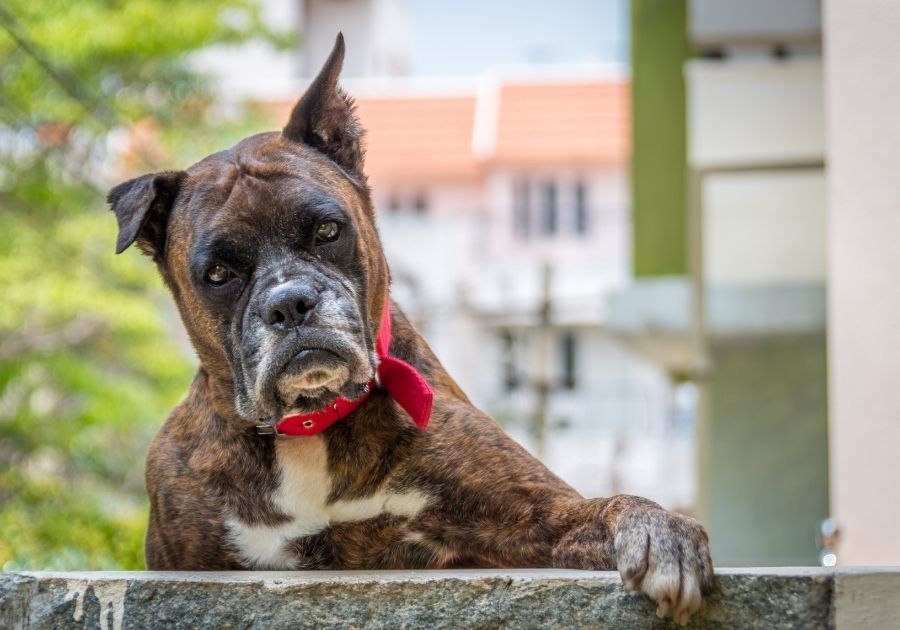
<point>443,199</point>
<point>754,112</point>
<point>863,97</point>
<point>255,70</point>
<point>607,243</point>
<point>751,123</point>
<point>764,228</point>
<point>376,32</point>
<point>585,268</point>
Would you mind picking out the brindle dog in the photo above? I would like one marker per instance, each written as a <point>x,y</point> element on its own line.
<point>271,252</point>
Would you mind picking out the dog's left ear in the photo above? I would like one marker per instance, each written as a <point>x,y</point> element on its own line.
<point>142,208</point>
<point>325,116</point>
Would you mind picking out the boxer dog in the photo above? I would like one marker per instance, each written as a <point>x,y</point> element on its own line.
<point>320,431</point>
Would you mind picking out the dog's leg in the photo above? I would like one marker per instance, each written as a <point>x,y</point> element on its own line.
<point>665,555</point>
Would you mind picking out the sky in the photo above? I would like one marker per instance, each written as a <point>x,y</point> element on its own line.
<point>464,36</point>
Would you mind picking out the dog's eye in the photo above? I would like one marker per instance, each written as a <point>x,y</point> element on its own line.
<point>328,232</point>
<point>217,275</point>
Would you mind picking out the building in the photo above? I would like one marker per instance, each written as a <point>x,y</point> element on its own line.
<point>736,303</point>
<point>774,160</point>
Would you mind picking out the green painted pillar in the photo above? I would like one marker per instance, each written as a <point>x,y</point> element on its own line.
<point>659,49</point>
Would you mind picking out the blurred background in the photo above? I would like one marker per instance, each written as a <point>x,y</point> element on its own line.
<point>608,218</point>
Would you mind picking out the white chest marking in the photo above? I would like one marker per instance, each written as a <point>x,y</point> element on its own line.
<point>302,495</point>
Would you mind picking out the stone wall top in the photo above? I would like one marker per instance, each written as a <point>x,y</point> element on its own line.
<point>743,598</point>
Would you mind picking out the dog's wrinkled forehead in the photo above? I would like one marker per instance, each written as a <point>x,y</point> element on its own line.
<point>260,191</point>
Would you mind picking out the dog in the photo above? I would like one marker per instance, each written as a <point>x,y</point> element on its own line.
<point>320,431</point>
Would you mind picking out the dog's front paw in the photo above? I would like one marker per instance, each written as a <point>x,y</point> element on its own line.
<point>666,556</point>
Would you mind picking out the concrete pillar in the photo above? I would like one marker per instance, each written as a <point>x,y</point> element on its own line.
<point>862,78</point>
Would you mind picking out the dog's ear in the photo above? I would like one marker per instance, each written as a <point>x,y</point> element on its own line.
<point>142,208</point>
<point>325,116</point>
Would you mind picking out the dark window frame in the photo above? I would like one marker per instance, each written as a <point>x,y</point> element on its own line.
<point>568,342</point>
<point>581,219</point>
<point>512,379</point>
<point>420,203</point>
<point>549,208</point>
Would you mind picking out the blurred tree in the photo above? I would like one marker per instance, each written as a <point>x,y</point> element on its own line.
<point>89,364</point>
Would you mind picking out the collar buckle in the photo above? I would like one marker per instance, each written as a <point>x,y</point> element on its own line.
<point>267,429</point>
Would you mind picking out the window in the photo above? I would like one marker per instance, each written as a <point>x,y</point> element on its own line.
<point>548,209</point>
<point>581,210</point>
<point>393,204</point>
<point>568,354</point>
<point>522,207</point>
<point>420,203</point>
<point>536,209</point>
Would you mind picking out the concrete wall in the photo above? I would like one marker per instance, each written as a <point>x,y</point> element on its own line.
<point>862,81</point>
<point>789,598</point>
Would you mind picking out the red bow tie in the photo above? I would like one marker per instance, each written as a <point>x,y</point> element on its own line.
<point>398,378</point>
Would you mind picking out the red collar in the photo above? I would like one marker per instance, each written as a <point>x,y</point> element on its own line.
<point>398,378</point>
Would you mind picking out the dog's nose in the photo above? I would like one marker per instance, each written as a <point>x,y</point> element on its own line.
<point>289,306</point>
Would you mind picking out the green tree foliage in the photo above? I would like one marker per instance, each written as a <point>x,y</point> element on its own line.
<point>90,355</point>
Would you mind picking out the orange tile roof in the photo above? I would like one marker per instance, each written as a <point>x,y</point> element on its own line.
<point>566,123</point>
<point>415,138</point>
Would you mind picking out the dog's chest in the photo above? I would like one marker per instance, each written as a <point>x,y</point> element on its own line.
<point>302,495</point>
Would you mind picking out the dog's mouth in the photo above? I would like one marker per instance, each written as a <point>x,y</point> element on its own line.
<point>310,374</point>
<point>312,379</point>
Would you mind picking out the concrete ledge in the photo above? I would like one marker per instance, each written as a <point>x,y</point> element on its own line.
<point>747,598</point>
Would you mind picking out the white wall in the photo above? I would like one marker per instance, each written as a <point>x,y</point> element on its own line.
<point>375,32</point>
<point>754,112</point>
<point>764,225</point>
<point>255,70</point>
<point>863,129</point>
<point>764,228</point>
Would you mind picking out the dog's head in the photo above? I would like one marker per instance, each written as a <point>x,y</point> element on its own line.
<point>271,252</point>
